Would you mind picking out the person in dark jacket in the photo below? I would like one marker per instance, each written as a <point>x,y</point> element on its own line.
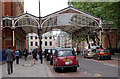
<point>25,52</point>
<point>10,57</point>
<point>34,54</point>
<point>40,55</point>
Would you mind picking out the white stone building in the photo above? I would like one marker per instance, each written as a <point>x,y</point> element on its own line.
<point>33,41</point>
<point>48,41</point>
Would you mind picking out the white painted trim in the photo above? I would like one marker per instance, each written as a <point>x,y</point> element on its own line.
<point>1,24</point>
<point>21,17</point>
<point>13,38</point>
<point>7,18</point>
<point>100,31</point>
<point>6,27</point>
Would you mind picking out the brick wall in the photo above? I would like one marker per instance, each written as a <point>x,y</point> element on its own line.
<point>18,8</point>
<point>111,35</point>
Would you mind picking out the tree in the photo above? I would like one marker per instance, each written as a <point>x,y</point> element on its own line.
<point>108,11</point>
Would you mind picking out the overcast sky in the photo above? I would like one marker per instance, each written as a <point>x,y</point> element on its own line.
<point>46,6</point>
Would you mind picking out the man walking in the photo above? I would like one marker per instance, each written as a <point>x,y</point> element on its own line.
<point>10,57</point>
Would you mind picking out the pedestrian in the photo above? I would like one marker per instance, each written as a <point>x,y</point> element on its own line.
<point>20,53</point>
<point>14,49</point>
<point>25,54</point>
<point>17,54</point>
<point>10,57</point>
<point>40,56</point>
<point>34,54</point>
<point>100,46</point>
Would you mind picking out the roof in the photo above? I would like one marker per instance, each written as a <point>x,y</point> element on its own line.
<point>70,7</point>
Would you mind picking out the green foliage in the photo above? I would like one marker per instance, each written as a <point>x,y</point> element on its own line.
<point>80,38</point>
<point>108,11</point>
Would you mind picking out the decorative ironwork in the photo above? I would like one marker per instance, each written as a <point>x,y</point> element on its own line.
<point>26,21</point>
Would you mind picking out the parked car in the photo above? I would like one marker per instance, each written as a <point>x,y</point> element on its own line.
<point>102,53</point>
<point>65,58</point>
<point>89,53</point>
<point>51,56</point>
<point>95,47</point>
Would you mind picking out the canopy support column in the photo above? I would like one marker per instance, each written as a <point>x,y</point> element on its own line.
<point>13,37</point>
<point>100,33</point>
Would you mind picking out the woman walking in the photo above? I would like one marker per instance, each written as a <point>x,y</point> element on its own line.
<point>34,53</point>
<point>17,53</point>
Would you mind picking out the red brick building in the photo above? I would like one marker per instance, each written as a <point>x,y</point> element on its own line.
<point>7,33</point>
<point>114,40</point>
<point>18,8</point>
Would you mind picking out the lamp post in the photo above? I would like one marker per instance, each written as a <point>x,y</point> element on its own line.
<point>12,23</point>
<point>40,30</point>
<point>39,33</point>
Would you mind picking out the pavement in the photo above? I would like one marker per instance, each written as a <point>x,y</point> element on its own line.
<point>28,69</point>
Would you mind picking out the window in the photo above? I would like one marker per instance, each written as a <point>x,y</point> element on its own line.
<point>36,44</point>
<point>50,43</point>
<point>31,43</point>
<point>104,51</point>
<point>35,37</point>
<point>50,37</point>
<point>31,37</point>
<point>45,43</point>
<point>45,37</point>
<point>65,53</point>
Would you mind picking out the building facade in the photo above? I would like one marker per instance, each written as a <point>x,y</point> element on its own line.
<point>33,41</point>
<point>114,40</point>
<point>14,8</point>
<point>48,41</point>
<point>11,9</point>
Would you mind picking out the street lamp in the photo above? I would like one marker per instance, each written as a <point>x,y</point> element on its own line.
<point>39,33</point>
<point>40,30</point>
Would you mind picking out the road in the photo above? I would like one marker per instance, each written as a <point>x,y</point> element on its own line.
<point>98,67</point>
<point>68,73</point>
<point>89,68</point>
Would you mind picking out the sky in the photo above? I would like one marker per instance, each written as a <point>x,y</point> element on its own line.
<point>47,6</point>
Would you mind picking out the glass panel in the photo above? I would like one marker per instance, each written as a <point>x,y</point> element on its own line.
<point>65,53</point>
